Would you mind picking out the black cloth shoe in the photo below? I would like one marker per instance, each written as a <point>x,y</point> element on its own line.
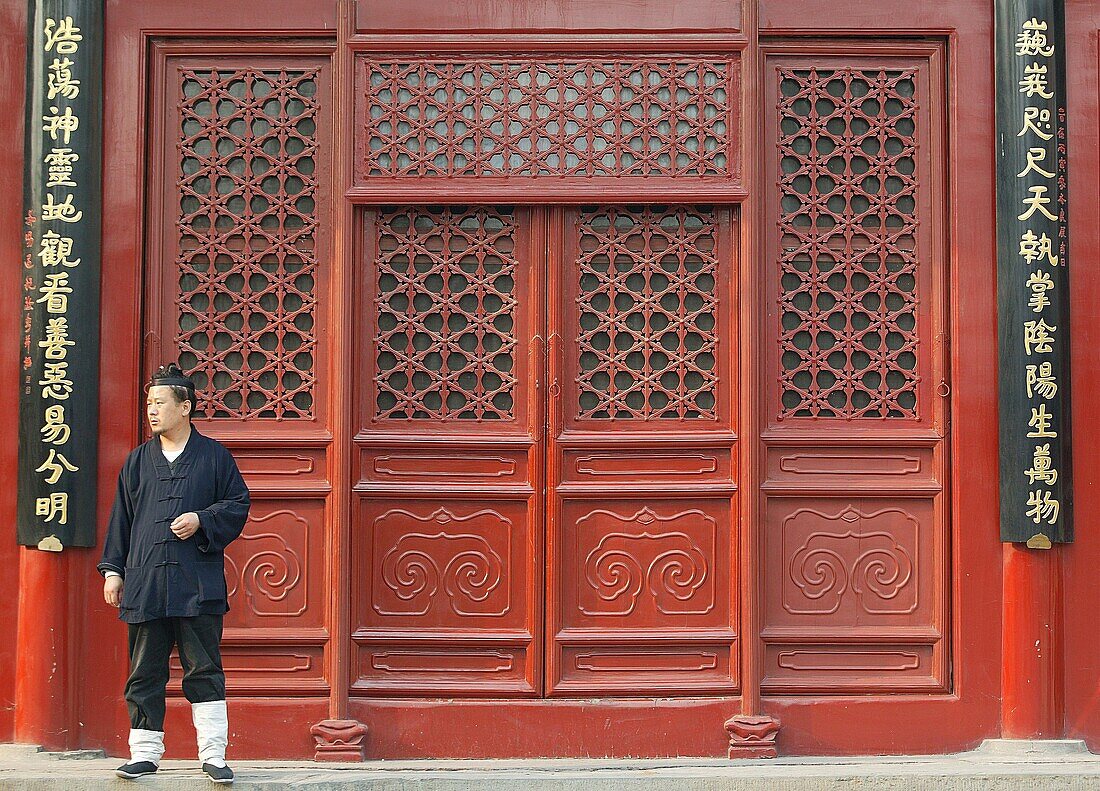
<point>136,769</point>
<point>222,775</point>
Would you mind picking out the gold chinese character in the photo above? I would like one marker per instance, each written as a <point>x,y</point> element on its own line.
<point>64,39</point>
<point>1033,40</point>
<point>1033,248</point>
<point>55,430</point>
<point>57,338</point>
<point>1037,337</point>
<point>64,211</point>
<point>55,292</point>
<point>66,123</point>
<point>1042,467</point>
<point>1041,381</point>
<point>1040,421</point>
<point>60,80</point>
<point>55,250</point>
<point>1031,115</point>
<point>59,163</point>
<point>1043,507</point>
<point>1034,157</point>
<point>1037,201</point>
<point>53,382</point>
<point>56,465</point>
<point>1039,283</point>
<point>1035,82</point>
<point>57,504</point>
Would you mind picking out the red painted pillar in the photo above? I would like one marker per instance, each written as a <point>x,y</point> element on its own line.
<point>1032,678</point>
<point>44,706</point>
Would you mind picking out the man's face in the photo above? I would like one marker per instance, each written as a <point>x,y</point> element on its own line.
<point>165,413</point>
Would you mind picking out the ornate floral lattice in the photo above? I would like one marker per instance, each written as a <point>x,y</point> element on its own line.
<point>848,250</point>
<point>648,311</point>
<point>248,240</point>
<point>446,311</point>
<point>575,117</point>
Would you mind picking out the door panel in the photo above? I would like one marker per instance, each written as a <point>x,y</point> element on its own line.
<point>446,579</point>
<point>239,241</point>
<point>642,517</point>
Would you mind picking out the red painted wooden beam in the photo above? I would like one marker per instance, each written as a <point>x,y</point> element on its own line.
<point>1032,677</point>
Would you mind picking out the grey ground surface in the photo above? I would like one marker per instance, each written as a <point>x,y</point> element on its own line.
<point>995,767</point>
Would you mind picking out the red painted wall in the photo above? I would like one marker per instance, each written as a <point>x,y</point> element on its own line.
<point>1082,559</point>
<point>13,26</point>
<point>830,725</point>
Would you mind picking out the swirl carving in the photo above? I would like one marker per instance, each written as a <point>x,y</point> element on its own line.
<point>875,565</point>
<point>669,564</point>
<point>464,566</point>
<point>268,567</point>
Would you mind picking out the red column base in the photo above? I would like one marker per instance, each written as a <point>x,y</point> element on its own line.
<point>752,736</point>
<point>339,740</point>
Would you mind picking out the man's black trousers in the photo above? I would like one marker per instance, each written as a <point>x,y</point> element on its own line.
<point>198,639</point>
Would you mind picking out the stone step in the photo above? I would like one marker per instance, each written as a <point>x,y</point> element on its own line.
<point>997,766</point>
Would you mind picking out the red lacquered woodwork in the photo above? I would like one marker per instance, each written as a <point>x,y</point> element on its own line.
<point>611,379</point>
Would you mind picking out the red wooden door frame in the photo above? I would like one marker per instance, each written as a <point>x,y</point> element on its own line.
<point>837,724</point>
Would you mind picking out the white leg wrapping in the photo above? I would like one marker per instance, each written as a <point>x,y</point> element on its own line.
<point>146,745</point>
<point>212,729</point>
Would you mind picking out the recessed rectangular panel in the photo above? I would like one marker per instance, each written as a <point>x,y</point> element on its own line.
<point>671,465</point>
<point>556,15</point>
<point>864,668</point>
<point>444,467</point>
<point>269,668</point>
<point>441,668</point>
<point>846,465</point>
<point>642,666</point>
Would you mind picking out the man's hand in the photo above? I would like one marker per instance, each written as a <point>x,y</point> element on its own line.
<point>185,525</point>
<point>112,590</point>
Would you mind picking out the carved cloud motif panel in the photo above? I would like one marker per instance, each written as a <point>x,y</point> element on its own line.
<point>444,565</point>
<point>645,566</point>
<point>647,309</point>
<point>272,571</point>
<point>575,116</point>
<point>851,563</point>
<point>446,311</point>
<point>247,239</point>
<point>849,144</point>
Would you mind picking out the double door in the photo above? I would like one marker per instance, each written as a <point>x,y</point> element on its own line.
<point>545,466</point>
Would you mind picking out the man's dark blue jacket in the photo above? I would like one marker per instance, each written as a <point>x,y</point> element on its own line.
<point>162,575</point>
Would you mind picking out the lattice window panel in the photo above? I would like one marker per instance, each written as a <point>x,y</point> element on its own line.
<point>247,254</point>
<point>848,251</point>
<point>575,117</point>
<point>648,310</point>
<point>446,311</point>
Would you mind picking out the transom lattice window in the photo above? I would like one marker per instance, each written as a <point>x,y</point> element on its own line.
<point>247,253</point>
<point>648,312</point>
<point>848,251</point>
<point>445,308</point>
<point>577,116</point>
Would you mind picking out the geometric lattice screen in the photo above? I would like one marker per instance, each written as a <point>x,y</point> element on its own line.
<point>247,232</point>
<point>446,312</point>
<point>648,313</point>
<point>848,253</point>
<point>572,116</point>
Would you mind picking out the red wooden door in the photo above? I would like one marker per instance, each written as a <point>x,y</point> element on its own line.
<point>497,340</point>
<point>642,525</point>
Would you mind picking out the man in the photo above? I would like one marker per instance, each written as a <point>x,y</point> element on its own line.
<point>180,501</point>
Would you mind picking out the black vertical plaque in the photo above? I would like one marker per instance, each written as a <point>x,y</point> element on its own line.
<point>1032,278</point>
<point>59,310</point>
